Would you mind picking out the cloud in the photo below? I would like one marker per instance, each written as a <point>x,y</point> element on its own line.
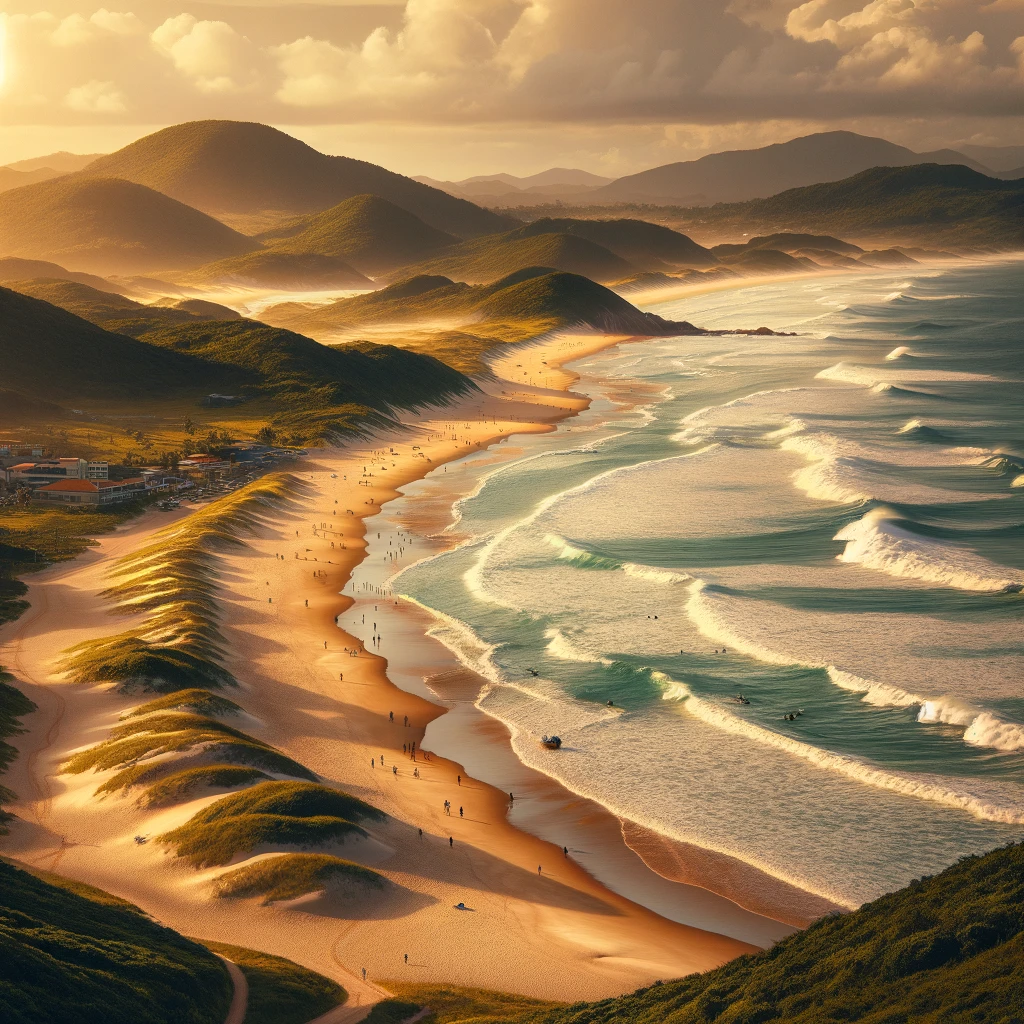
<point>95,98</point>
<point>523,61</point>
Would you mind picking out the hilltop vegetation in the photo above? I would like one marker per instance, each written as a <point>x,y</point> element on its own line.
<point>235,168</point>
<point>486,259</point>
<point>470,319</point>
<point>48,352</point>
<point>72,952</point>
<point>105,225</point>
<point>932,202</point>
<point>948,948</point>
<point>14,705</point>
<point>306,391</point>
<point>371,233</point>
<point>290,875</point>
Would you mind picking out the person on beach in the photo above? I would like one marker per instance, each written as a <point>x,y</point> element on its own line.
<point>394,769</point>
<point>406,957</point>
<point>565,851</point>
<point>372,764</point>
<point>511,799</point>
<point>460,780</point>
<point>460,812</point>
<point>364,969</point>
<point>538,869</point>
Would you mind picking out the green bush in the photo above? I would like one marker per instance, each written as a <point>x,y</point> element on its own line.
<point>69,952</point>
<point>281,991</point>
<point>291,875</point>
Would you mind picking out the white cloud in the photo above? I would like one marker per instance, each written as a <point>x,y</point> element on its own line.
<point>211,53</point>
<point>492,61</point>
<point>95,97</point>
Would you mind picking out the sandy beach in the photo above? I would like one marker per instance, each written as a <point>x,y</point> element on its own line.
<point>537,920</point>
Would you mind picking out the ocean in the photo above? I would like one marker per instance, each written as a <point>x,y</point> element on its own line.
<point>771,602</point>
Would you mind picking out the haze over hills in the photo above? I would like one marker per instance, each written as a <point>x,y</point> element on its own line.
<point>998,158</point>
<point>751,173</point>
<point>932,203</point>
<point>284,270</point>
<point>372,233</point>
<point>231,168</point>
<point>106,225</point>
<point>459,323</point>
<point>510,190</point>
<point>14,269</point>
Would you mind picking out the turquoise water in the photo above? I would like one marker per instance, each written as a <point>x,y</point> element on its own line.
<point>829,525</point>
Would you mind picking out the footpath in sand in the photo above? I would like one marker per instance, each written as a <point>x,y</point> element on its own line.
<point>532,920</point>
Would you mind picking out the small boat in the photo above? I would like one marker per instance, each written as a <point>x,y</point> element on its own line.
<point>551,742</point>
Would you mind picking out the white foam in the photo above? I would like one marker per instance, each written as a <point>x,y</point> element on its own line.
<point>880,695</point>
<point>1018,481</point>
<point>876,543</point>
<point>988,731</point>
<point>950,792</point>
<point>561,647</point>
<point>910,426</point>
<point>868,376</point>
<point>897,353</point>
<point>654,574</point>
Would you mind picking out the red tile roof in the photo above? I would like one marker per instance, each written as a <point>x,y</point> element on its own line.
<point>72,485</point>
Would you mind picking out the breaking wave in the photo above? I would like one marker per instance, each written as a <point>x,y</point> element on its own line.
<point>983,802</point>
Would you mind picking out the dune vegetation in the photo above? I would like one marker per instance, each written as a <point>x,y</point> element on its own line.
<point>290,875</point>
<point>274,813</point>
<point>948,948</point>
<point>280,991</point>
<point>170,787</point>
<point>449,1004</point>
<point>72,952</point>
<point>171,584</point>
<point>14,705</point>
<point>176,733</point>
<point>200,702</point>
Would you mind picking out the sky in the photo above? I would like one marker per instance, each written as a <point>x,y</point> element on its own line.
<point>452,88</point>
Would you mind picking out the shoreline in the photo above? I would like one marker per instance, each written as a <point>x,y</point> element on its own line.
<point>561,917</point>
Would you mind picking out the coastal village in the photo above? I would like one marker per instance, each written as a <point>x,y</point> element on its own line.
<point>30,475</point>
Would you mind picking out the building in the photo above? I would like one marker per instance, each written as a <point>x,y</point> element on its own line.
<point>37,474</point>
<point>90,492</point>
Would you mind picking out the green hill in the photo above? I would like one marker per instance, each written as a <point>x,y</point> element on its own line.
<point>74,953</point>
<point>15,269</point>
<point>105,225</point>
<point>948,950</point>
<point>372,233</point>
<point>644,245</point>
<point>53,355</point>
<point>486,259</point>
<point>464,321</point>
<point>240,168</point>
<point>106,309</point>
<point>934,202</point>
<point>285,270</point>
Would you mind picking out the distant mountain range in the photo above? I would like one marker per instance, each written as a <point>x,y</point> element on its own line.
<point>732,176</point>
<point>932,203</point>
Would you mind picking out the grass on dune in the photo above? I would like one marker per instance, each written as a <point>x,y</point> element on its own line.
<point>294,874</point>
<point>69,952</point>
<point>451,1005</point>
<point>174,732</point>
<point>165,787</point>
<point>279,813</point>
<point>13,705</point>
<point>172,581</point>
<point>217,842</point>
<point>201,702</point>
<point>181,784</point>
<point>280,991</point>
